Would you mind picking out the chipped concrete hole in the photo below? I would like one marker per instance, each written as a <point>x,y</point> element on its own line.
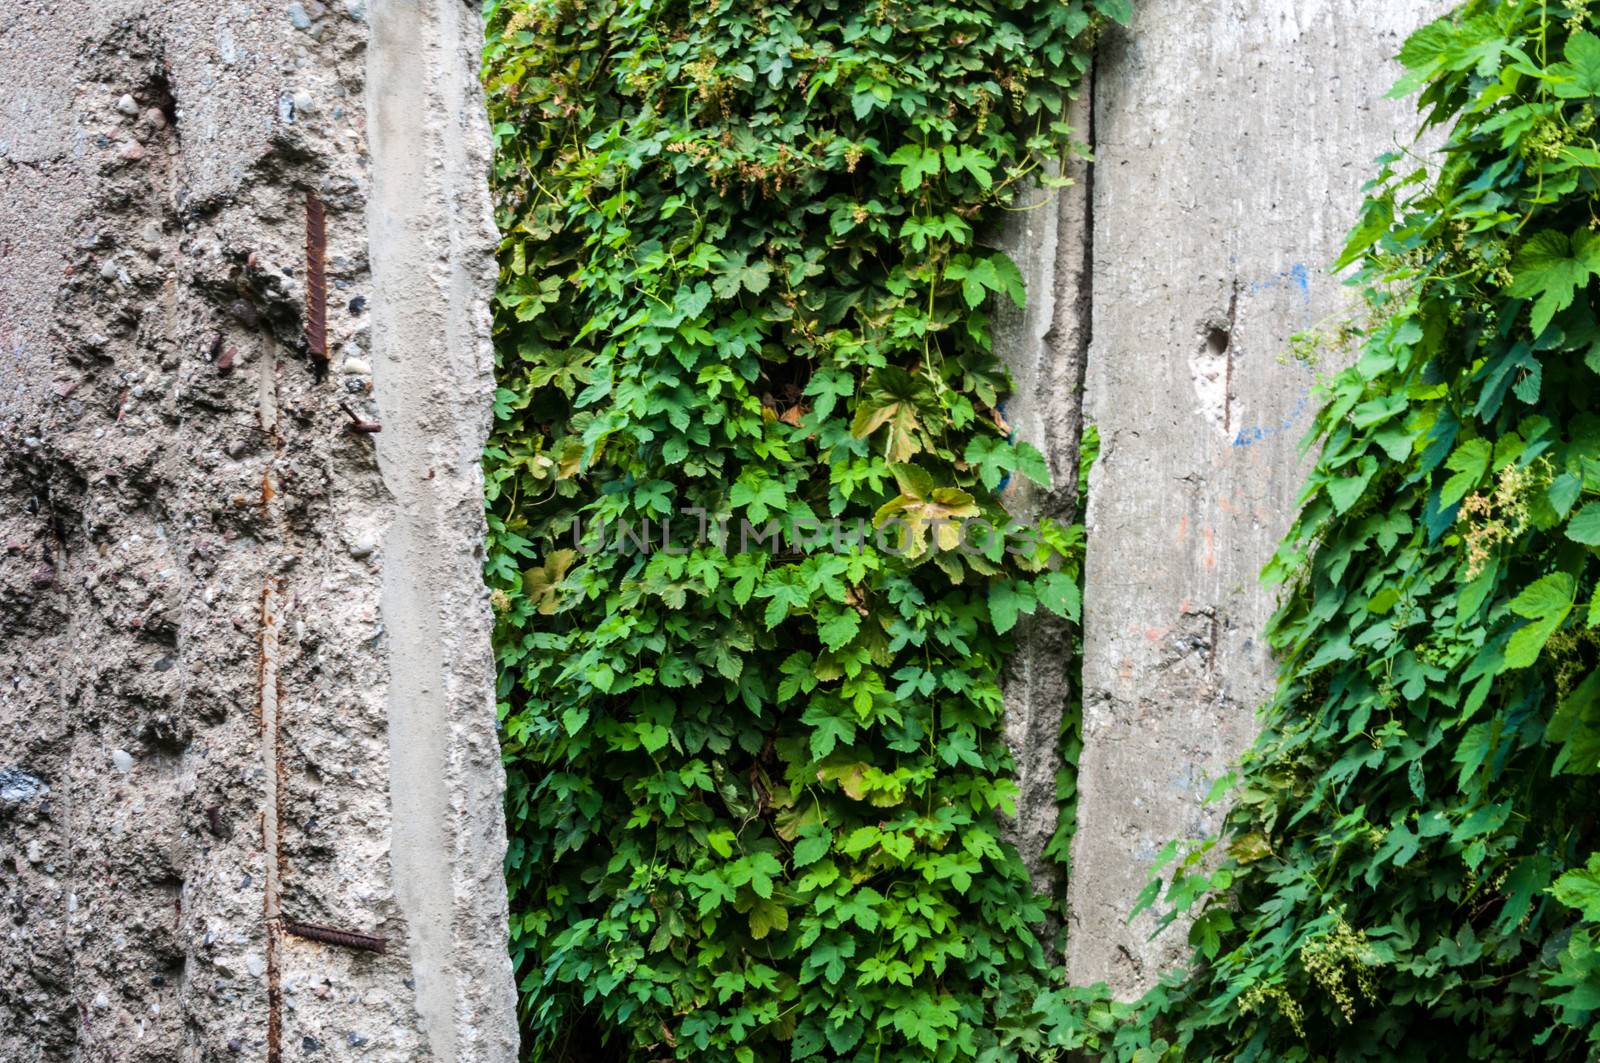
<point>1211,368</point>
<point>249,780</point>
<point>1218,339</point>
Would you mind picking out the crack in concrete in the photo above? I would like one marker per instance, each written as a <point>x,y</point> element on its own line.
<point>1229,344</point>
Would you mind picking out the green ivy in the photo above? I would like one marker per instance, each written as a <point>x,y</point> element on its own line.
<point>753,791</point>
<point>1410,869</point>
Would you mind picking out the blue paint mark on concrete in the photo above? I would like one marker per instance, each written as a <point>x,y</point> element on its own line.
<point>1297,276</point>
<point>1249,437</point>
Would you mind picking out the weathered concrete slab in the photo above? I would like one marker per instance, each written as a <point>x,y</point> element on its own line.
<point>218,718</point>
<point>1232,140</point>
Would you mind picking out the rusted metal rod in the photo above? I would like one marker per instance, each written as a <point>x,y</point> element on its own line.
<point>357,423</point>
<point>316,335</point>
<point>349,939</point>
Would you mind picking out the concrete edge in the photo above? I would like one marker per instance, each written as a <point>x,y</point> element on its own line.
<point>432,241</point>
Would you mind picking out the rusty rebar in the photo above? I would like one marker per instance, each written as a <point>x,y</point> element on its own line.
<point>358,423</point>
<point>348,939</point>
<point>316,335</point>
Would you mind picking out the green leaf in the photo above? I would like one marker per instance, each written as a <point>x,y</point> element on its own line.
<point>740,275</point>
<point>1346,491</point>
<point>811,848</point>
<point>918,164</point>
<point>1552,267</point>
<point>1472,751</point>
<point>767,916</point>
<point>1008,601</point>
<point>1563,492</point>
<point>1059,593</point>
<point>1010,278</point>
<point>992,457</point>
<point>764,869</point>
<point>721,842</point>
<point>977,279</point>
<point>716,892</point>
<point>1383,601</point>
<point>828,729</point>
<point>653,737</point>
<point>1530,877</point>
<point>1031,464</point>
<point>1206,933</point>
<point>758,493</point>
<point>974,162</point>
<point>1585,527</point>
<point>1470,462</point>
<point>1546,598</point>
<point>1547,604</point>
<point>1579,77</point>
<point>1581,889</point>
<point>839,629</point>
<point>860,840</point>
<point>845,1031</point>
<point>1575,727</point>
<point>1119,11</point>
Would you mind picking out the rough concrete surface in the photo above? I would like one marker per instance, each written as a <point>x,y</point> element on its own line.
<point>433,265</point>
<point>245,683</point>
<point>1045,344</point>
<point>1232,140</point>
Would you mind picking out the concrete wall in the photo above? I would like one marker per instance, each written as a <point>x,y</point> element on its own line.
<point>1232,140</point>
<point>245,683</point>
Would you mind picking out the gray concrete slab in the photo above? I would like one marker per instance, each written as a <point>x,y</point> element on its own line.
<point>1232,142</point>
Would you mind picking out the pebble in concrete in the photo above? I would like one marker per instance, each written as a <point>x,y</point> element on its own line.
<point>17,786</point>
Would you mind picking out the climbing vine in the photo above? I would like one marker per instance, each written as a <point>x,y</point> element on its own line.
<point>753,577</point>
<point>1410,869</point>
<point>755,772</point>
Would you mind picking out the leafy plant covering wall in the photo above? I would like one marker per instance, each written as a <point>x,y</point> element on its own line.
<point>753,791</point>
<point>1411,868</point>
<point>753,785</point>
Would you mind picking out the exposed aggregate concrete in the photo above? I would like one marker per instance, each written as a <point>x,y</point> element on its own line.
<point>197,685</point>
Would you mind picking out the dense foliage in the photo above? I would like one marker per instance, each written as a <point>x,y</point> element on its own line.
<point>753,790</point>
<point>754,783</point>
<point>1411,869</point>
